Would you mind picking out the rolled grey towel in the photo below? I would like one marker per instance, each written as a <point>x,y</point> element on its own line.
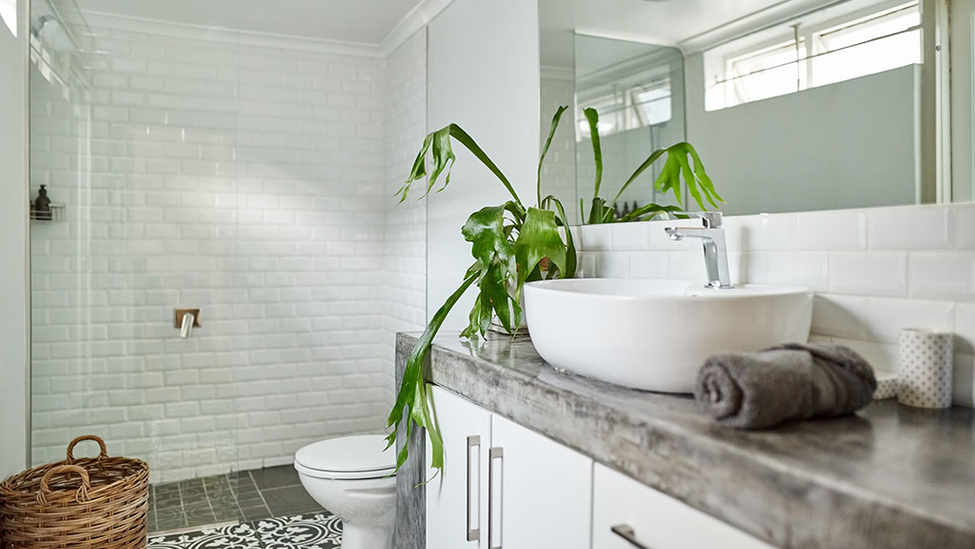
<point>782,383</point>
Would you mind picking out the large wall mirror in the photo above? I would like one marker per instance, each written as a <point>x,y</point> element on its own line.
<point>793,106</point>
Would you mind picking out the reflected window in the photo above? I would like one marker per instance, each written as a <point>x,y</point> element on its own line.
<point>817,53</point>
<point>8,12</point>
<point>629,108</point>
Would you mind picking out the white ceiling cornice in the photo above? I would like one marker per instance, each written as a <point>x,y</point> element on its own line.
<point>416,19</point>
<point>230,36</point>
<point>419,17</point>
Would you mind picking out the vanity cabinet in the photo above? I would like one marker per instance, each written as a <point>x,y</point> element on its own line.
<point>508,487</point>
<point>630,515</point>
<point>504,485</point>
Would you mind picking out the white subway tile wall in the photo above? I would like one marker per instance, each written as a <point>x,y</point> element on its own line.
<point>254,183</point>
<point>875,271</point>
<point>405,241</point>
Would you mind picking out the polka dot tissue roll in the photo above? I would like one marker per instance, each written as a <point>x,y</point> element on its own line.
<point>925,371</point>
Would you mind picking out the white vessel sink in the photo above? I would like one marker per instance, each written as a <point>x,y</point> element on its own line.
<point>656,334</point>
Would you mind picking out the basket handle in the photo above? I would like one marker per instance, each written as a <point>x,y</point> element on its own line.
<point>103,451</point>
<point>81,496</point>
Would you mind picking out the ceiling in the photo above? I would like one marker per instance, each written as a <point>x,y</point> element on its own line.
<point>670,23</point>
<point>355,21</point>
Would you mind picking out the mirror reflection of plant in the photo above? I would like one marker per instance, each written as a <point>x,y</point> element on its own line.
<point>511,243</point>
<point>682,162</point>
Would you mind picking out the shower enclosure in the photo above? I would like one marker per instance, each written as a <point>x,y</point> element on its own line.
<point>247,177</point>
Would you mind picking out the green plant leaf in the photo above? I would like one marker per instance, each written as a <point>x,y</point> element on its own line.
<point>597,213</point>
<point>571,258</point>
<point>438,143</point>
<point>699,184</point>
<point>642,168</point>
<point>548,143</point>
<point>539,238</point>
<point>597,151</point>
<point>485,231</point>
<point>652,210</point>
<point>411,401</point>
<point>497,268</point>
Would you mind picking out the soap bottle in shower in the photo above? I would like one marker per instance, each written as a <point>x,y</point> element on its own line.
<point>42,205</point>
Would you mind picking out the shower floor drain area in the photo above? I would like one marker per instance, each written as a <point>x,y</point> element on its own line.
<point>241,497</point>
<point>319,531</point>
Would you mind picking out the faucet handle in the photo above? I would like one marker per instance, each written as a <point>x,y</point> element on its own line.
<point>711,220</point>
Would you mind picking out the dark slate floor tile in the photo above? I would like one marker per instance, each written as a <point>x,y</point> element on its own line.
<point>275,477</point>
<point>170,521</point>
<point>291,500</point>
<point>255,513</point>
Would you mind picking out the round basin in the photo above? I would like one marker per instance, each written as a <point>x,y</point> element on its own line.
<point>656,334</point>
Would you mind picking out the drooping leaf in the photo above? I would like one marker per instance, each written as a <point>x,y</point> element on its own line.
<point>548,143</point>
<point>539,239</point>
<point>678,165</point>
<point>438,144</point>
<point>411,401</point>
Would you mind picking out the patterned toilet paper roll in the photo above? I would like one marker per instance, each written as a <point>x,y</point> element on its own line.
<point>886,385</point>
<point>926,361</point>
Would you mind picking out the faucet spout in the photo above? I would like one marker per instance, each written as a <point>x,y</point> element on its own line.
<point>714,245</point>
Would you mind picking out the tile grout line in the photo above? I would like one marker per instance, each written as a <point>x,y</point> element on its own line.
<point>260,492</point>
<point>206,494</point>
<point>239,509</point>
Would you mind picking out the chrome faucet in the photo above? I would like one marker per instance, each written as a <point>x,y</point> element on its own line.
<point>715,248</point>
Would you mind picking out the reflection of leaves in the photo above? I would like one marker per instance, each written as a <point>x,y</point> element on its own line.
<point>682,162</point>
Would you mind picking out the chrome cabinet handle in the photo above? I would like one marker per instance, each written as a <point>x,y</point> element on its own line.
<point>494,454</point>
<point>626,532</point>
<point>473,534</point>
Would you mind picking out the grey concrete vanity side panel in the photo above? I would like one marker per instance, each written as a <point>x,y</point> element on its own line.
<point>890,477</point>
<point>411,503</point>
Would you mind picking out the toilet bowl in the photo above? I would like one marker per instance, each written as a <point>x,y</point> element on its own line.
<point>353,478</point>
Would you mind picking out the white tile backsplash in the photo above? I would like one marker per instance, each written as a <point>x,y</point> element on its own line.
<point>875,271</point>
<point>798,268</point>
<point>868,273</point>
<point>840,230</point>
<point>922,228</point>
<point>942,275</point>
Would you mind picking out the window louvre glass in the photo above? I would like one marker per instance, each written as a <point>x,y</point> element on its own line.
<point>859,46</point>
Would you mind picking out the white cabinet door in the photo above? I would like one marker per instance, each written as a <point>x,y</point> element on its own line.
<point>655,520</point>
<point>540,492</point>
<point>455,499</point>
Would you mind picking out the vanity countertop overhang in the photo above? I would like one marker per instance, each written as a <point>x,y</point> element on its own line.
<point>890,476</point>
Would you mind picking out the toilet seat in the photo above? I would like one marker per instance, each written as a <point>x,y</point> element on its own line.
<point>347,458</point>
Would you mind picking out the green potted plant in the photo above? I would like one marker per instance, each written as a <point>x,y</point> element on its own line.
<point>509,242</point>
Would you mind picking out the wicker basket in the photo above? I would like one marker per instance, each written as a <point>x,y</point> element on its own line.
<point>94,503</point>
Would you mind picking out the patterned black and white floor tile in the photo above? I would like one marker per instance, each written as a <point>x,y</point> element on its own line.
<point>300,532</point>
<point>238,536</point>
<point>319,531</point>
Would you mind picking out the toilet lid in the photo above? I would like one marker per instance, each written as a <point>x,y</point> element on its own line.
<point>355,454</point>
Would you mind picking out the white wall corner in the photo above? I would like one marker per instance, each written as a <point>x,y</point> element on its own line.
<point>416,19</point>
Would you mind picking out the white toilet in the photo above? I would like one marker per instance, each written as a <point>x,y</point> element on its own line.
<point>353,478</point>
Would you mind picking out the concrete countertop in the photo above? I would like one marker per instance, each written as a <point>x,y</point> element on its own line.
<point>890,476</point>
